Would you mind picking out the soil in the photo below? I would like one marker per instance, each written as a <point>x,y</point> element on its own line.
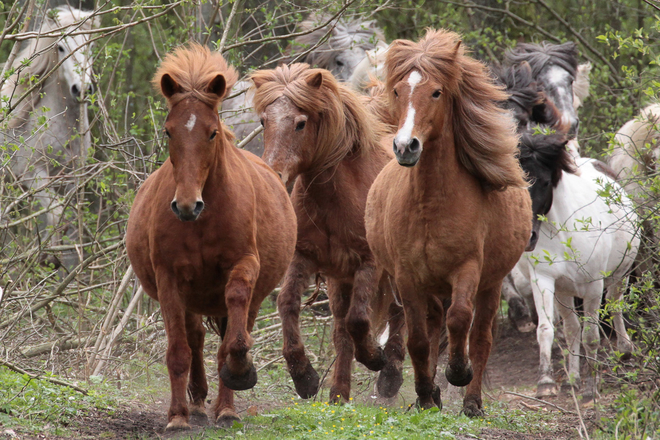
<point>512,368</point>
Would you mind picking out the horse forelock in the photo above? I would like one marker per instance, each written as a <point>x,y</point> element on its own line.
<point>549,151</point>
<point>484,134</point>
<point>540,56</point>
<point>193,68</point>
<point>345,124</point>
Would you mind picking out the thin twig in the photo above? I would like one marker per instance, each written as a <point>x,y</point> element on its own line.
<point>545,402</point>
<point>19,370</point>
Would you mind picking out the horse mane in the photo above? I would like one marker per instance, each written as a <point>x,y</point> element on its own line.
<point>347,33</point>
<point>42,52</point>
<point>520,85</point>
<point>378,105</point>
<point>484,133</point>
<point>345,124</point>
<point>193,68</point>
<point>636,142</point>
<point>368,69</point>
<point>550,151</point>
<point>539,56</point>
<point>581,85</point>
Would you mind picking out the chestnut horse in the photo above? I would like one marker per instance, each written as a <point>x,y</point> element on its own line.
<point>225,246</point>
<point>451,217</point>
<point>320,132</point>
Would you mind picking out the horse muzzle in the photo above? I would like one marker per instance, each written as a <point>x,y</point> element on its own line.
<point>534,236</point>
<point>407,153</point>
<point>187,213</point>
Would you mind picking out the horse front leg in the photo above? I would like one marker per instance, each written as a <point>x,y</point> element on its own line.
<point>543,289</point>
<point>481,341</point>
<point>591,341</point>
<point>305,378</point>
<point>179,355</point>
<point>519,314</point>
<point>459,319</point>
<point>238,371</point>
<point>339,295</point>
<point>197,385</point>
<point>390,378</point>
<point>365,285</point>
<point>415,306</point>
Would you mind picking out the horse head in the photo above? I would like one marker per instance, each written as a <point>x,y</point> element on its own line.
<point>544,158</point>
<point>194,81</point>
<point>555,67</point>
<point>73,50</point>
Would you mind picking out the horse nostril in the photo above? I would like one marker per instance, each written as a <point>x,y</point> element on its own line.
<point>199,205</point>
<point>90,89</point>
<point>75,90</point>
<point>414,145</point>
<point>174,207</point>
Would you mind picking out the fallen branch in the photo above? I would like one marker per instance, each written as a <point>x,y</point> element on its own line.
<point>545,402</point>
<point>19,370</point>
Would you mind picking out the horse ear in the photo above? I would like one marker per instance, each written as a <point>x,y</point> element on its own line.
<point>168,86</point>
<point>218,86</point>
<point>524,66</point>
<point>315,80</point>
<point>458,45</point>
<point>258,80</point>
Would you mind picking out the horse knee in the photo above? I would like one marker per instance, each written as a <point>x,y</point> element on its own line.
<point>358,326</point>
<point>178,359</point>
<point>459,319</point>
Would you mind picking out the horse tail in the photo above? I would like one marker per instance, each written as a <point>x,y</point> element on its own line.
<point>218,325</point>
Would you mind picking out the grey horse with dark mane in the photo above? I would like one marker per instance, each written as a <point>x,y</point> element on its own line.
<point>348,39</point>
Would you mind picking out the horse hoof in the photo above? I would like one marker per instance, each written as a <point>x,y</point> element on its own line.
<point>239,383</point>
<point>546,390</point>
<point>374,363</point>
<point>198,414</point>
<point>431,401</point>
<point>178,423</point>
<point>459,377</point>
<point>390,380</point>
<point>226,419</point>
<point>472,409</point>
<point>306,383</point>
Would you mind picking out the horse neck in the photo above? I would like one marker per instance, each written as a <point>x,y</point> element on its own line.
<point>220,172</point>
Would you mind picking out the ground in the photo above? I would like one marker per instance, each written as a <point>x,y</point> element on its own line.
<point>512,369</point>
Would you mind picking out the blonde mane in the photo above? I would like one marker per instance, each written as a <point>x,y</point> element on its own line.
<point>581,85</point>
<point>484,134</point>
<point>345,124</point>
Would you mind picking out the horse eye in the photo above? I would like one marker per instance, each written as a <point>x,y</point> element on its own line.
<point>262,122</point>
<point>437,93</point>
<point>340,63</point>
<point>300,125</point>
<point>396,95</point>
<point>167,133</point>
<point>60,48</point>
<point>213,135</point>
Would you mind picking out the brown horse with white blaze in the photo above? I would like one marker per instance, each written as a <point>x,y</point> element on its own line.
<point>210,233</point>
<point>453,216</point>
<point>320,133</point>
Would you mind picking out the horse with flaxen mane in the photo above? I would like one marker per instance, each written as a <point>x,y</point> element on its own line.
<point>319,132</point>
<point>451,217</point>
<point>225,246</point>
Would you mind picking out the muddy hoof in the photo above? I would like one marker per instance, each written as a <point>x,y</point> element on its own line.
<point>178,423</point>
<point>430,402</point>
<point>198,414</point>
<point>374,363</point>
<point>546,390</point>
<point>390,380</point>
<point>226,419</point>
<point>239,383</point>
<point>307,383</point>
<point>472,408</point>
<point>459,377</point>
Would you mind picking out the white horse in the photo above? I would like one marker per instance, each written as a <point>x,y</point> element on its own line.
<point>587,244</point>
<point>45,129</point>
<point>346,46</point>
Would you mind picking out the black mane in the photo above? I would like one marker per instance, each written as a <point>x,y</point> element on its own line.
<point>548,150</point>
<point>539,56</point>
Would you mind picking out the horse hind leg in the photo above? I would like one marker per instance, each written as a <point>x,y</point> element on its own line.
<point>543,289</point>
<point>519,314</point>
<point>238,371</point>
<point>339,295</point>
<point>197,385</point>
<point>305,378</point>
<point>390,378</point>
<point>365,286</point>
<point>481,342</point>
<point>566,308</point>
<point>623,343</point>
<point>591,342</point>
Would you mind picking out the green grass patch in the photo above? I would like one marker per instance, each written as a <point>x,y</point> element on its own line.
<point>315,421</point>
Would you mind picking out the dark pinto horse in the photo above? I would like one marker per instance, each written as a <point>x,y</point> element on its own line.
<point>451,217</point>
<point>319,132</point>
<point>210,233</point>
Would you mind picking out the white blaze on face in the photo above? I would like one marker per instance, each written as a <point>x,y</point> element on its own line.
<point>191,122</point>
<point>404,134</point>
